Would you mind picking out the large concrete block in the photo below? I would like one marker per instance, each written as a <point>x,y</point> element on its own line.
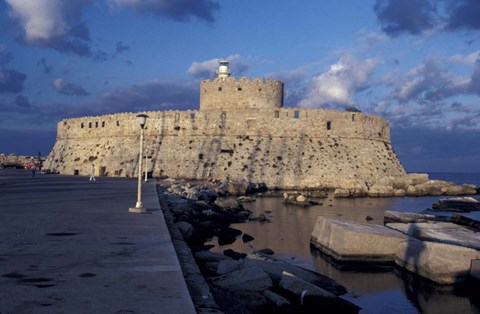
<point>439,262</point>
<point>354,241</point>
<point>443,232</point>
<point>392,216</point>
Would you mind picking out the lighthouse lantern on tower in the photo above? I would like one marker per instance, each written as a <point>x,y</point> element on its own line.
<point>223,69</point>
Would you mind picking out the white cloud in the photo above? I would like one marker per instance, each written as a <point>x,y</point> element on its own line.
<point>71,89</point>
<point>368,40</point>
<point>339,84</point>
<point>428,82</point>
<point>468,59</point>
<point>432,95</point>
<point>203,69</point>
<point>41,19</point>
<point>208,68</point>
<point>58,83</point>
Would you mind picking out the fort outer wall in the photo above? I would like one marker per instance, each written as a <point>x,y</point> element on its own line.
<point>286,148</point>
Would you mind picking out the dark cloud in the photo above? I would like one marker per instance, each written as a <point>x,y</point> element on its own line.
<point>400,16</point>
<point>80,31</point>
<point>151,95</point>
<point>11,81</point>
<point>295,85</point>
<point>5,57</point>
<point>180,10</point>
<point>463,14</point>
<point>71,89</point>
<point>68,45</point>
<point>416,16</point>
<point>121,48</point>
<point>42,63</point>
<point>436,149</point>
<point>101,56</point>
<point>79,47</point>
<point>22,101</point>
<point>77,41</point>
<point>475,81</point>
<point>27,143</point>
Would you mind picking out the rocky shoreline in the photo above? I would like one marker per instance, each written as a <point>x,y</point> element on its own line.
<point>412,184</point>
<point>234,282</point>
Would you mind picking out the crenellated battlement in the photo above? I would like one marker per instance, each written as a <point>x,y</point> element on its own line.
<point>282,122</point>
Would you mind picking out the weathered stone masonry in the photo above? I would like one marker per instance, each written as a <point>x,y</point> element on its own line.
<point>241,131</point>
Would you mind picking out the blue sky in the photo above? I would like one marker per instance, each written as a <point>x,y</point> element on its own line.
<point>413,62</point>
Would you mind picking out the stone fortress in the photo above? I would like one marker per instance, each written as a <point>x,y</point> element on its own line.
<point>241,132</point>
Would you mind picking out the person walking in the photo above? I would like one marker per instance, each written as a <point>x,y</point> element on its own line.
<point>34,168</point>
<point>92,176</point>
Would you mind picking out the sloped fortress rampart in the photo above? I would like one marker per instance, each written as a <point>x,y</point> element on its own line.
<point>241,131</point>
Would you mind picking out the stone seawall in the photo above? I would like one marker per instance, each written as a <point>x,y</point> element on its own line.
<point>17,159</point>
<point>288,148</point>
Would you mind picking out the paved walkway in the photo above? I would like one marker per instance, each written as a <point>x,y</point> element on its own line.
<point>68,245</point>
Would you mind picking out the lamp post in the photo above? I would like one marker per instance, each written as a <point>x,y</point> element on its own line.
<point>142,119</point>
<point>146,169</point>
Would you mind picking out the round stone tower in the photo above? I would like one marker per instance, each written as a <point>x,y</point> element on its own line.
<point>226,92</point>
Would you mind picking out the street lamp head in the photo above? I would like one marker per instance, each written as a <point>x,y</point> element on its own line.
<point>142,118</point>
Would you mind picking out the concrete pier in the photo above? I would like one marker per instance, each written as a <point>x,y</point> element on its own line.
<point>70,245</point>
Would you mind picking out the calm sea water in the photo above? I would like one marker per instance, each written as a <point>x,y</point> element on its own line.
<point>381,291</point>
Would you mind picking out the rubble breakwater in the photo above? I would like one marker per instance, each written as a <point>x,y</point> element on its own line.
<point>236,282</point>
<point>286,231</point>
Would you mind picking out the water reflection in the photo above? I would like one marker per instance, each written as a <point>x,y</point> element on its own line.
<point>390,290</point>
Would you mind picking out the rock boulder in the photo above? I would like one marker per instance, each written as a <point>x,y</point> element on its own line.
<point>251,278</point>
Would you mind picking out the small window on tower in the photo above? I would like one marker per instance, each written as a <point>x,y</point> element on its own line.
<point>277,114</point>
<point>329,125</point>
<point>220,89</point>
<point>103,124</point>
<point>96,124</point>
<point>89,125</point>
<point>192,116</point>
<point>81,125</point>
<point>239,89</point>
<point>296,114</point>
